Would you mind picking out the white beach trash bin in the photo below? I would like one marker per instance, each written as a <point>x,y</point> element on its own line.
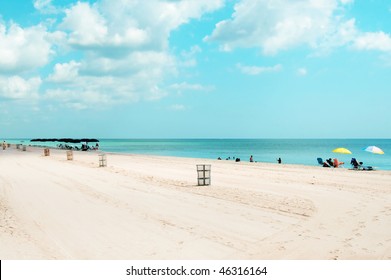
<point>203,174</point>
<point>69,155</point>
<point>102,160</point>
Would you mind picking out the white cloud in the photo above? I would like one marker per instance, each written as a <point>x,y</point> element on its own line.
<point>151,64</point>
<point>274,26</point>
<point>45,6</point>
<point>130,23</point>
<point>373,41</point>
<point>102,91</point>
<point>17,88</point>
<point>65,72</point>
<point>189,57</point>
<point>349,35</point>
<point>177,107</point>
<point>87,25</point>
<point>23,49</point>
<point>100,81</point>
<point>76,106</point>
<point>125,50</point>
<point>190,87</point>
<point>302,71</point>
<point>118,51</point>
<point>345,2</point>
<point>81,97</point>
<point>344,34</point>
<point>257,70</point>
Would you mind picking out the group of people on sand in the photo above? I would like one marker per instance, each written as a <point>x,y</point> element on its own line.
<point>279,161</point>
<point>336,163</point>
<point>84,147</point>
<point>229,158</point>
<point>251,159</point>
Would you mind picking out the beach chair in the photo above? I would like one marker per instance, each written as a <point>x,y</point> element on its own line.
<point>356,165</point>
<point>359,165</point>
<point>323,163</point>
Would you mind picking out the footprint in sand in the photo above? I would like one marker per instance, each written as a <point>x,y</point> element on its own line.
<point>335,253</point>
<point>281,248</point>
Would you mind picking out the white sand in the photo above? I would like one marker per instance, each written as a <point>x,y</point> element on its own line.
<point>149,207</point>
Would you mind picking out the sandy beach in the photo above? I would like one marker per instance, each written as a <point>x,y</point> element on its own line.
<point>150,207</point>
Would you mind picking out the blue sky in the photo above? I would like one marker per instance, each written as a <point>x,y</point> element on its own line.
<point>195,69</point>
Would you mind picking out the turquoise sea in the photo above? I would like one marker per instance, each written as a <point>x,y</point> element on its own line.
<point>291,151</point>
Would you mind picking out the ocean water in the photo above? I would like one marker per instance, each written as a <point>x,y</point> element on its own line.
<point>291,151</point>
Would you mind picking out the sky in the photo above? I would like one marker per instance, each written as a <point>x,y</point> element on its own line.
<point>195,69</point>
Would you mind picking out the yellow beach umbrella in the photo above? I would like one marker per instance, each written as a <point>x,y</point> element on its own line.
<point>342,151</point>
